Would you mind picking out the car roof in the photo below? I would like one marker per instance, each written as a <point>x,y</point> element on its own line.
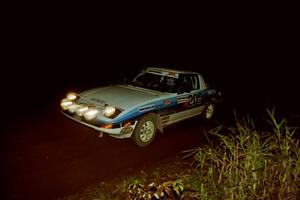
<point>161,70</point>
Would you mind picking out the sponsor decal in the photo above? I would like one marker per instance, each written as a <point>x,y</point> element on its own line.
<point>165,119</point>
<point>155,72</point>
<point>190,100</point>
<point>186,104</point>
<point>164,73</point>
<point>182,99</point>
<point>167,102</point>
<point>126,130</point>
<point>97,100</point>
<point>172,74</point>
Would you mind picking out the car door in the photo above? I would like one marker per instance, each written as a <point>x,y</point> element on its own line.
<point>186,90</point>
<point>190,89</point>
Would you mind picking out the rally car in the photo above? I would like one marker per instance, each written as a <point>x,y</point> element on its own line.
<point>153,99</point>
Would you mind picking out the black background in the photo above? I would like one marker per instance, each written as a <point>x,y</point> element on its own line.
<point>250,54</point>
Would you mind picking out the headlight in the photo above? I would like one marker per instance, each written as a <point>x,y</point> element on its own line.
<point>71,96</point>
<point>90,114</point>
<point>109,111</point>
<point>65,104</point>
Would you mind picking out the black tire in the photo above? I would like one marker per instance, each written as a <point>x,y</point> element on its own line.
<point>145,130</point>
<point>208,111</point>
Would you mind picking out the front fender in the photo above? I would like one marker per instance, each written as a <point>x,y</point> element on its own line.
<point>157,121</point>
<point>159,124</point>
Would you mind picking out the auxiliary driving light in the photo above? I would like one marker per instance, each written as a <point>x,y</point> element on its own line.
<point>65,104</point>
<point>80,111</point>
<point>90,114</point>
<point>71,96</point>
<point>109,111</point>
<point>72,108</point>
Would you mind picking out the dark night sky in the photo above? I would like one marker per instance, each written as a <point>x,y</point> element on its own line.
<point>249,52</point>
<point>252,58</point>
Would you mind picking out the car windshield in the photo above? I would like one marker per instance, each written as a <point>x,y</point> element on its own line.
<point>155,82</point>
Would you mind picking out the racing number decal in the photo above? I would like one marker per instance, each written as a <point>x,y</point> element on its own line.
<point>194,99</point>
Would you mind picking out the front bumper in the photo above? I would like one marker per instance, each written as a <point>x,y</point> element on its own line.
<point>121,132</point>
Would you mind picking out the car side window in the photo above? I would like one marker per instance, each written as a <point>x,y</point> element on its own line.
<point>184,84</point>
<point>194,81</point>
<point>189,82</point>
<point>168,84</point>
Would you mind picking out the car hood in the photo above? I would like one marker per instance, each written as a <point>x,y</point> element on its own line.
<point>122,96</point>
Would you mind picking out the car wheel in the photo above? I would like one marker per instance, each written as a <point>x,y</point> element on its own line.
<point>208,111</point>
<point>145,130</point>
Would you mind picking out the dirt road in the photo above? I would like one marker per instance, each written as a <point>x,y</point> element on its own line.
<point>49,156</point>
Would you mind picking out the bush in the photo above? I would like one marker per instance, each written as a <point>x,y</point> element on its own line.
<point>249,164</point>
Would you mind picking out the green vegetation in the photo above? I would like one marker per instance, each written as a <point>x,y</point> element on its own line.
<point>239,162</point>
<point>249,164</point>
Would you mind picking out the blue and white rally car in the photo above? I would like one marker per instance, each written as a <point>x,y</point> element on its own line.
<point>152,100</point>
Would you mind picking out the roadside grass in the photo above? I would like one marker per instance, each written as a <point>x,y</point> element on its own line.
<point>238,162</point>
<point>246,163</point>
